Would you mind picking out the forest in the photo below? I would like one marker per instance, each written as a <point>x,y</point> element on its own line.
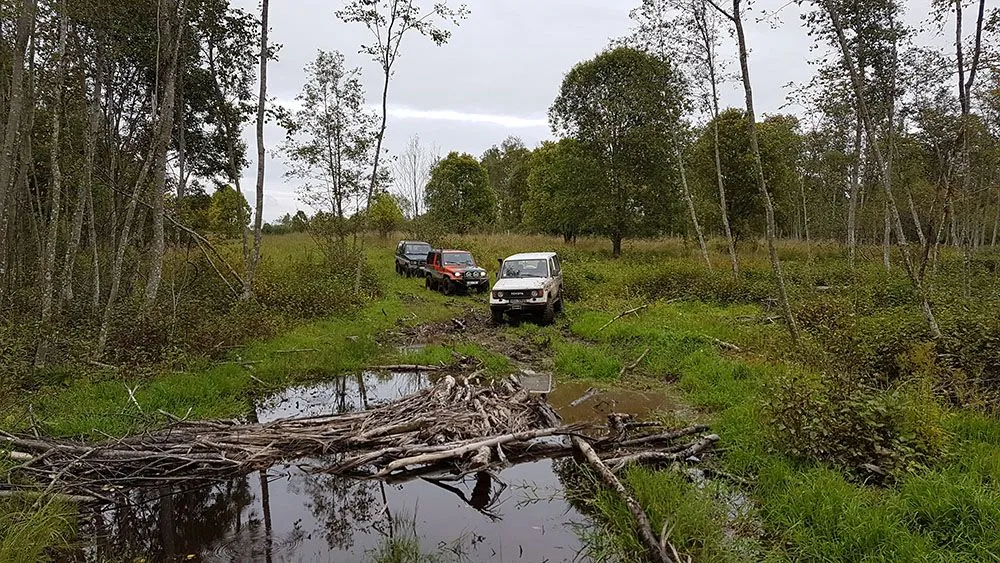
<point>817,285</point>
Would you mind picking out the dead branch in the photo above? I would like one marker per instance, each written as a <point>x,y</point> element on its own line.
<point>633,365</point>
<point>406,368</point>
<point>590,393</point>
<point>296,351</point>
<point>657,551</point>
<point>622,314</point>
<point>619,463</point>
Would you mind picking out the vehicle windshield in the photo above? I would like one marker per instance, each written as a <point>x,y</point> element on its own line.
<point>538,268</point>
<point>422,249</point>
<point>457,259</point>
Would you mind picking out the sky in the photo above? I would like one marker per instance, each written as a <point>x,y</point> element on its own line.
<point>500,71</point>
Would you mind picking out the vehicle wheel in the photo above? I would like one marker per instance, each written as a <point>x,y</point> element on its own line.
<point>427,283</point>
<point>447,288</point>
<point>397,269</point>
<point>559,306</point>
<point>549,314</point>
<point>408,272</point>
<point>496,316</point>
<point>481,289</point>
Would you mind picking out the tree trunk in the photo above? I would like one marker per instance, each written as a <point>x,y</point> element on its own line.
<point>805,216</point>
<point>616,245</point>
<point>690,204</point>
<point>771,233</point>
<point>834,14</point>
<point>916,219</point>
<point>887,240</point>
<point>852,204</point>
<point>258,219</point>
<point>55,188</point>
<point>166,128</point>
<point>12,128</point>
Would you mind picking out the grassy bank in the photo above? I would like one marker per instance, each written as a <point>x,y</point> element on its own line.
<point>869,441</point>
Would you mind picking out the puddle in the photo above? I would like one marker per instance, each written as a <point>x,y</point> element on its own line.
<point>597,407</point>
<point>290,514</point>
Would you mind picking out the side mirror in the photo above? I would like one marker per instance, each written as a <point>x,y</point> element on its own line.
<point>499,267</point>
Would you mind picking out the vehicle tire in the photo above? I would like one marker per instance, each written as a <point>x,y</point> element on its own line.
<point>408,272</point>
<point>428,284</point>
<point>559,306</point>
<point>496,315</point>
<point>447,288</point>
<point>481,289</point>
<point>549,314</point>
<point>397,269</point>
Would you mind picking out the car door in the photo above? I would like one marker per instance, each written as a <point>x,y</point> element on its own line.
<point>556,268</point>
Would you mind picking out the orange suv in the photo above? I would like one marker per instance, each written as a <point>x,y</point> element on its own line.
<point>451,271</point>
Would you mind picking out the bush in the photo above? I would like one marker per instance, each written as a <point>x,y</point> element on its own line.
<point>846,421</point>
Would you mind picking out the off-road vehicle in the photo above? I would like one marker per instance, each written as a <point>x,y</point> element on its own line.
<point>528,284</point>
<point>411,255</point>
<point>452,271</point>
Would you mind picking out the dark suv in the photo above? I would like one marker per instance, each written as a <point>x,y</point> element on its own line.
<point>411,255</point>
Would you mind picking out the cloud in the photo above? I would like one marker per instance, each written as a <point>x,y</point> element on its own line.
<point>406,112</point>
<point>509,121</point>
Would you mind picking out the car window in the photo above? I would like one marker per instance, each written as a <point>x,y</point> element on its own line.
<point>417,249</point>
<point>537,268</point>
<point>558,265</point>
<point>457,259</point>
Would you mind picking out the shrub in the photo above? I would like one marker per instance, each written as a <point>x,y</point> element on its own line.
<point>846,421</point>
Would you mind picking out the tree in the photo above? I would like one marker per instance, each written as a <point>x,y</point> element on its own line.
<point>880,160</point>
<point>251,258</point>
<point>413,170</point>
<point>737,18</point>
<point>562,180</point>
<point>389,21</point>
<point>228,212</point>
<point>459,198</point>
<point>688,31</point>
<point>623,106</point>
<point>385,213</point>
<point>330,138</point>
<point>507,167</point>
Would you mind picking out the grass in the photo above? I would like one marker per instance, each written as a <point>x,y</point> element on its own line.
<point>805,509</point>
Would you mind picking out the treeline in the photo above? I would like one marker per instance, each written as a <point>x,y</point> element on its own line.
<point>646,150</point>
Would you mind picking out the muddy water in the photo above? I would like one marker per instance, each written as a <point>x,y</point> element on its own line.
<point>290,513</point>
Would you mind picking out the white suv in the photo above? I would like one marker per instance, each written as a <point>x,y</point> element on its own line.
<point>528,283</point>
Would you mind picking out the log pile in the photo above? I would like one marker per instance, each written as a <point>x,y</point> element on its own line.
<point>455,427</point>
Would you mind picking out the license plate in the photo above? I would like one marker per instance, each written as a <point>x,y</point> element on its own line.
<point>516,303</point>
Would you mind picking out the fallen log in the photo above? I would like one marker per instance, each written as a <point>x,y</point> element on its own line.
<point>657,550</point>
<point>405,368</point>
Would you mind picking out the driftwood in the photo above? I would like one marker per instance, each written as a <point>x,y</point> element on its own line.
<point>657,550</point>
<point>623,314</point>
<point>456,427</point>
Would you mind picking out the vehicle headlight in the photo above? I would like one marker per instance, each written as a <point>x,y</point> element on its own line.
<point>497,295</point>
<point>536,293</point>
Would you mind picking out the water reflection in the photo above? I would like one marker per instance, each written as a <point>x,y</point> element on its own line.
<point>290,513</point>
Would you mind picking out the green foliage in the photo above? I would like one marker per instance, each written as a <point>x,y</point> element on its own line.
<point>780,147</point>
<point>459,197</point>
<point>562,180</point>
<point>846,421</point>
<point>622,106</point>
<point>229,212</point>
<point>508,166</point>
<point>385,213</point>
<point>30,530</point>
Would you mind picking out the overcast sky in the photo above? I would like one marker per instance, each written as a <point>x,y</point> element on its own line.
<point>500,71</point>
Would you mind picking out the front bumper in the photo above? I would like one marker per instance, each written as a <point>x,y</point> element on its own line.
<point>471,283</point>
<point>532,305</point>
